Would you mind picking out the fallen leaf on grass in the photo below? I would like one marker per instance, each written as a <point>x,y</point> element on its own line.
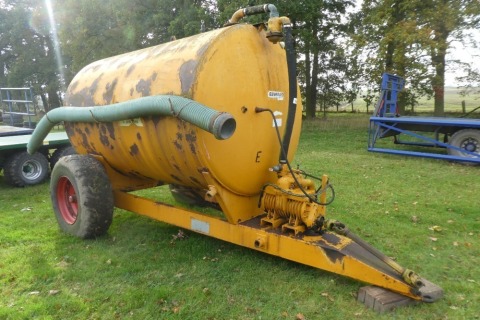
<point>433,238</point>
<point>179,236</point>
<point>453,308</point>
<point>53,292</point>
<point>300,316</point>
<point>63,264</point>
<point>435,228</point>
<point>326,295</point>
<point>34,293</point>
<point>471,280</point>
<point>26,209</point>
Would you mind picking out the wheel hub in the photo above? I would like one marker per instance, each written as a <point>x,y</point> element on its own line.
<point>470,145</point>
<point>67,200</point>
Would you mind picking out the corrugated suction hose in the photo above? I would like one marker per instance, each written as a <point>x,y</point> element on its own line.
<point>221,124</point>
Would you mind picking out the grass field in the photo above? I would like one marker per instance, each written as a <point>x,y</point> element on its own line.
<point>453,103</point>
<point>424,213</point>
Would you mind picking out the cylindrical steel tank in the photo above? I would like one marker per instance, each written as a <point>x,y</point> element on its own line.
<point>233,69</point>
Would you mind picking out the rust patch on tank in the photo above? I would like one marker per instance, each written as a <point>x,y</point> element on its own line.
<point>195,180</point>
<point>130,69</point>
<point>85,142</point>
<point>156,121</point>
<point>176,167</point>
<point>131,92</point>
<point>73,85</point>
<point>139,136</point>
<point>178,145</point>
<point>69,129</point>
<point>83,97</point>
<point>103,136</point>
<point>109,89</point>
<point>134,149</point>
<point>178,141</point>
<point>201,51</point>
<point>192,140</point>
<point>186,75</point>
<point>143,86</point>
<point>176,178</point>
<point>111,130</point>
<point>154,76</point>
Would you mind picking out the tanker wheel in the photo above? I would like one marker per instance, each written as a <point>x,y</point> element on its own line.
<point>82,196</point>
<point>60,152</point>
<point>23,169</point>
<point>467,139</point>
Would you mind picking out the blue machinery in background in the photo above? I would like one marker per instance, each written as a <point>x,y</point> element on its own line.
<point>422,136</point>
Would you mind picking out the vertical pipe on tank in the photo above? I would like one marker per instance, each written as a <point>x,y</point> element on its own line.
<point>292,88</point>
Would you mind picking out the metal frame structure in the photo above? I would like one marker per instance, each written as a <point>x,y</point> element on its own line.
<point>414,131</point>
<point>11,105</point>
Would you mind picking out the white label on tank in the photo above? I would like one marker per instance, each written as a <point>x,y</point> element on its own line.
<point>279,122</point>
<point>278,118</point>
<point>278,95</point>
<point>294,100</point>
<point>200,226</point>
<point>126,123</point>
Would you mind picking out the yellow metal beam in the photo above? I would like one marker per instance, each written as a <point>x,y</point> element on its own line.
<point>330,252</point>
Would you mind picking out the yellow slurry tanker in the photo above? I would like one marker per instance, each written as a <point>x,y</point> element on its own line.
<point>217,117</point>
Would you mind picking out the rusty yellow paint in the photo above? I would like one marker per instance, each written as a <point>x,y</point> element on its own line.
<point>233,69</point>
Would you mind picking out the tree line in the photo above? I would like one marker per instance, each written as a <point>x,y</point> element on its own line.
<point>343,46</point>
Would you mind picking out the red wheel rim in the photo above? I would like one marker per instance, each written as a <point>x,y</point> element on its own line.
<point>67,200</point>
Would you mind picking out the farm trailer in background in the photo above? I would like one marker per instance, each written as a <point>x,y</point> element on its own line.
<point>423,136</point>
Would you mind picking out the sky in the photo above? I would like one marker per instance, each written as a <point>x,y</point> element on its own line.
<point>467,54</point>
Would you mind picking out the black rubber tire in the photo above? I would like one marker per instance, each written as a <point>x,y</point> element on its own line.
<point>22,169</point>
<point>60,152</point>
<point>82,196</point>
<point>468,139</point>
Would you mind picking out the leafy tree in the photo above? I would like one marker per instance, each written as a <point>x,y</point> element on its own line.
<point>27,53</point>
<point>445,21</point>
<point>94,29</point>
<point>410,38</point>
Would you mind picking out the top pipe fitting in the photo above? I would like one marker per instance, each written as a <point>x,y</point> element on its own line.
<point>275,22</point>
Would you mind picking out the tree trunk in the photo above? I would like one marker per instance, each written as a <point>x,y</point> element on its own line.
<point>53,99</point>
<point>438,80</point>
<point>311,71</point>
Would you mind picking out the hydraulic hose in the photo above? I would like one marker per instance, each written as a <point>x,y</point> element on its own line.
<point>221,124</point>
<point>264,8</point>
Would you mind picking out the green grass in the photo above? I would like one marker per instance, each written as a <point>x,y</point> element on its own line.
<point>138,271</point>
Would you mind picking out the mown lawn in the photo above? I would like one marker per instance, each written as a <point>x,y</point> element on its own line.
<point>424,213</point>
